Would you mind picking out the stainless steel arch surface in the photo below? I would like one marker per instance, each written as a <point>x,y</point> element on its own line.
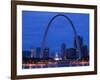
<point>47,29</point>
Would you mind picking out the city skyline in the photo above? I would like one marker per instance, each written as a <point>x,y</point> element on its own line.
<point>59,31</point>
<point>67,57</point>
<point>65,53</point>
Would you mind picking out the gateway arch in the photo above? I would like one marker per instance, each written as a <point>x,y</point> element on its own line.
<point>47,29</point>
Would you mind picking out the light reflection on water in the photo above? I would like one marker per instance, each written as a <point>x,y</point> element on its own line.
<point>56,64</point>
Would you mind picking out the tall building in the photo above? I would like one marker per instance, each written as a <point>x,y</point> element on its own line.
<point>33,52</point>
<point>71,54</point>
<point>78,44</point>
<point>26,54</point>
<point>38,52</point>
<point>85,53</point>
<point>46,53</point>
<point>63,51</point>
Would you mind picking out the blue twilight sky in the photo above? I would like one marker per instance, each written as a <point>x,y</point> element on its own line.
<point>34,25</point>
